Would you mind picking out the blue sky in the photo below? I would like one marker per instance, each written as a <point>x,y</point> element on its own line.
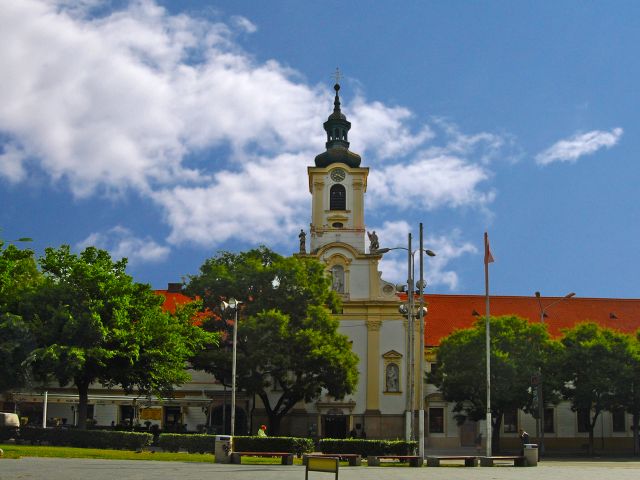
<point>165,131</point>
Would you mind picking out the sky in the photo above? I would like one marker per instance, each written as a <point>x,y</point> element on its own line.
<point>167,131</point>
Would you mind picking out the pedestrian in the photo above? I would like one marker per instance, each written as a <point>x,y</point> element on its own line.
<point>262,431</point>
<point>524,439</point>
<point>479,443</point>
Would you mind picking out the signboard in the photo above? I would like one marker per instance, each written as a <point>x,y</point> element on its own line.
<point>150,413</point>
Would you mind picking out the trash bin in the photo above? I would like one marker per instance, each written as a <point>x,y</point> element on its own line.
<point>223,448</point>
<point>531,454</point>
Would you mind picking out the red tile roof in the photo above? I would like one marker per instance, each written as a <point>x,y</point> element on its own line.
<point>172,300</point>
<point>447,313</point>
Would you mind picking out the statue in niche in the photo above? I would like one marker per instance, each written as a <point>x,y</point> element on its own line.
<point>373,241</point>
<point>392,378</point>
<point>303,241</point>
<point>337,274</point>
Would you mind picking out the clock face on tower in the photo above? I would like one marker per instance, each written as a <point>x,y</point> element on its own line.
<point>338,174</point>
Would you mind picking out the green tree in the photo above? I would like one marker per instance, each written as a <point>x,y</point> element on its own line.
<point>627,384</point>
<point>92,323</point>
<point>287,337</point>
<point>517,352</point>
<point>18,276</point>
<point>593,365</point>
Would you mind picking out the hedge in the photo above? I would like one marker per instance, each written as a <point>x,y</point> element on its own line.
<point>71,437</point>
<point>367,447</point>
<point>192,443</point>
<point>296,445</point>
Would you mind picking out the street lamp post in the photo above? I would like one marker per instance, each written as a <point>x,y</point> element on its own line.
<point>409,311</point>
<point>234,305</point>
<point>540,423</point>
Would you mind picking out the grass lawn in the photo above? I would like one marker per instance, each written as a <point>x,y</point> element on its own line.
<point>18,451</point>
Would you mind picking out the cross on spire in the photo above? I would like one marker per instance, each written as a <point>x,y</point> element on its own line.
<point>337,75</point>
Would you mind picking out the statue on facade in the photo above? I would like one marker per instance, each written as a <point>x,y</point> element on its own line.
<point>303,241</point>
<point>373,241</point>
<point>392,378</point>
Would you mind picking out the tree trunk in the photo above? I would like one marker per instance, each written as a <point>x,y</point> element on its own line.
<point>274,425</point>
<point>496,423</point>
<point>83,401</point>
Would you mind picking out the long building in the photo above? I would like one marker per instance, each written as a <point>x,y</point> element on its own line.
<point>389,375</point>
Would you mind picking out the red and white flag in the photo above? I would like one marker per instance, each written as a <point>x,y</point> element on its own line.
<point>488,258</point>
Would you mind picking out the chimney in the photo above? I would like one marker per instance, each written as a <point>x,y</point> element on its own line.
<point>174,288</point>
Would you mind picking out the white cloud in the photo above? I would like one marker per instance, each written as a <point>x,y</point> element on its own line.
<point>264,202</point>
<point>382,131</point>
<point>431,182</point>
<point>171,108</point>
<point>12,163</point>
<point>244,24</point>
<point>580,144</point>
<point>121,243</point>
<point>436,269</point>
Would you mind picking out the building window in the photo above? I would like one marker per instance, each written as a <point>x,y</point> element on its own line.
<point>510,421</point>
<point>549,424</point>
<point>127,414</point>
<point>436,420</point>
<point>619,420</point>
<point>337,197</point>
<point>392,378</point>
<point>432,372</point>
<point>583,417</point>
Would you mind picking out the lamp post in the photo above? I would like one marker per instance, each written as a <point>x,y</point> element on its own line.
<point>540,423</point>
<point>408,310</point>
<point>234,305</point>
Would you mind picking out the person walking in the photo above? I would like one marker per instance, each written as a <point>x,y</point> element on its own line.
<point>524,439</point>
<point>262,431</point>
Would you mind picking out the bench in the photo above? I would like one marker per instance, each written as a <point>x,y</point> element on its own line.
<point>518,460</point>
<point>317,463</point>
<point>414,460</point>
<point>354,459</point>
<point>287,457</point>
<point>469,460</point>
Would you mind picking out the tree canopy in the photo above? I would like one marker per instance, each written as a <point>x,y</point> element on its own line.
<point>289,348</point>
<point>18,276</point>
<point>517,352</point>
<point>596,372</point>
<point>90,322</point>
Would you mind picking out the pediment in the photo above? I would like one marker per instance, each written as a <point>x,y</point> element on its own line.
<point>392,355</point>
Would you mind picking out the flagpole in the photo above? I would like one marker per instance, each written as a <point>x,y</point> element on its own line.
<point>487,259</point>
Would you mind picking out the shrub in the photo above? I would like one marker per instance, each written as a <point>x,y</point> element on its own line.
<point>367,447</point>
<point>71,437</point>
<point>296,445</point>
<point>174,442</point>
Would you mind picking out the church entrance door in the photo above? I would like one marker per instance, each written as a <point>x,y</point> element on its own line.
<point>335,426</point>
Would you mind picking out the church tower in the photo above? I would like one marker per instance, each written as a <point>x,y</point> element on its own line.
<point>337,184</point>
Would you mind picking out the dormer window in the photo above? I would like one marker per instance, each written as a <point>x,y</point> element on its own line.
<point>337,197</point>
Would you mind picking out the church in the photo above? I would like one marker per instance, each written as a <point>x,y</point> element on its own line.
<point>392,399</point>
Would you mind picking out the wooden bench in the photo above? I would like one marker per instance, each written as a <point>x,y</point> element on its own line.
<point>287,457</point>
<point>469,460</point>
<point>354,459</point>
<point>414,460</point>
<point>518,460</point>
<point>317,463</point>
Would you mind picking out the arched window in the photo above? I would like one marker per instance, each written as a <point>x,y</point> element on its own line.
<point>338,198</point>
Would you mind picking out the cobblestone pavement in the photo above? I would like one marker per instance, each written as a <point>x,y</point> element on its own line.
<point>83,469</point>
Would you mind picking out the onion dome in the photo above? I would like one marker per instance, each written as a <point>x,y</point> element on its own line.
<point>337,127</point>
